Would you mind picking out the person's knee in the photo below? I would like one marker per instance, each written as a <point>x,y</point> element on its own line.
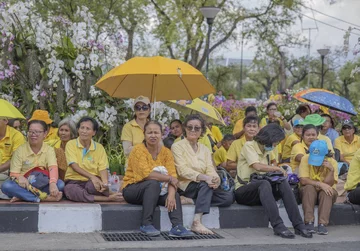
<point>228,199</point>
<point>69,189</point>
<point>60,185</point>
<point>154,186</point>
<point>7,186</point>
<point>264,186</point>
<point>308,188</point>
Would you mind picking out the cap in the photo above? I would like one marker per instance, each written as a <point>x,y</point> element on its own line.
<point>297,122</point>
<point>318,150</point>
<point>313,119</point>
<point>142,99</point>
<point>347,123</point>
<point>41,115</point>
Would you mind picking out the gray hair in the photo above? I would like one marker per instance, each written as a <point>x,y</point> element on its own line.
<point>71,124</point>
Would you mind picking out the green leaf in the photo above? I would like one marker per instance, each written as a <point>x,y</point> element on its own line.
<point>18,51</point>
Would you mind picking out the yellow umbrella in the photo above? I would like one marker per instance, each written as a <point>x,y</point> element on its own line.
<point>7,110</point>
<point>158,78</point>
<point>198,106</point>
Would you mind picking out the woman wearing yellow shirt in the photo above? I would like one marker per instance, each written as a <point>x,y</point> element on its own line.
<point>274,115</point>
<point>352,184</point>
<point>150,180</point>
<point>34,163</point>
<point>133,131</point>
<point>238,130</point>
<point>318,178</point>
<point>86,177</point>
<point>309,134</point>
<point>292,140</point>
<point>348,143</point>
<point>44,116</point>
<point>198,178</point>
<point>257,156</point>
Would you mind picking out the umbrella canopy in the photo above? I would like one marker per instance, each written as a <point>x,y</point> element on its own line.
<point>7,110</point>
<point>158,78</point>
<point>331,100</point>
<point>299,94</point>
<point>198,106</point>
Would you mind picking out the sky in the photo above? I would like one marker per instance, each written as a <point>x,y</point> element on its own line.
<point>325,36</point>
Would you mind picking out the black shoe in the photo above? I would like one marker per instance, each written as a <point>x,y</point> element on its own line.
<point>310,227</point>
<point>322,230</point>
<point>287,234</point>
<point>303,232</point>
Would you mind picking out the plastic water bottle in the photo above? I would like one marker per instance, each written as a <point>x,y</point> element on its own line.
<point>114,183</point>
<point>225,184</point>
<point>109,176</point>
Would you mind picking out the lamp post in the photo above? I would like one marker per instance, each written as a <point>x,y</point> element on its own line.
<point>209,12</point>
<point>323,53</point>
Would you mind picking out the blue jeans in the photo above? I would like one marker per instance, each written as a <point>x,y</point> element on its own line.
<point>12,189</point>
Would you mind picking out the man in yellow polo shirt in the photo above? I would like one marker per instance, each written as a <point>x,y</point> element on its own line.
<point>220,154</point>
<point>10,140</point>
<point>44,116</point>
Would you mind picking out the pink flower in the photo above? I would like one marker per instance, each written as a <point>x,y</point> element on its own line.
<point>43,94</point>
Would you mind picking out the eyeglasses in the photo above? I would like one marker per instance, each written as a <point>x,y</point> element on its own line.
<point>347,128</point>
<point>35,132</point>
<point>193,128</point>
<point>139,107</point>
<point>273,109</point>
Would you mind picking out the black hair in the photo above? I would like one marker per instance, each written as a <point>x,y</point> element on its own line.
<point>270,105</point>
<point>42,123</point>
<point>308,127</point>
<point>175,120</point>
<point>228,137</point>
<point>194,117</point>
<point>270,134</point>
<point>250,119</point>
<point>168,142</point>
<point>152,122</point>
<point>331,119</point>
<point>94,123</point>
<point>12,121</point>
<point>250,109</point>
<point>302,108</point>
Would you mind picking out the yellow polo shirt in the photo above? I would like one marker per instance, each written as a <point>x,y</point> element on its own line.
<point>24,159</point>
<point>92,160</point>
<point>238,126</point>
<point>216,133</point>
<point>12,140</point>
<point>220,156</point>
<point>190,164</point>
<point>52,134</point>
<point>264,122</point>
<point>251,154</point>
<point>233,153</point>
<point>328,142</point>
<point>132,132</point>
<point>286,153</point>
<point>353,177</point>
<point>347,149</point>
<point>317,173</point>
<point>56,143</point>
<point>297,149</point>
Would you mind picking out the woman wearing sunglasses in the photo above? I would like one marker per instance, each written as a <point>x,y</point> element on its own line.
<point>133,131</point>
<point>198,178</point>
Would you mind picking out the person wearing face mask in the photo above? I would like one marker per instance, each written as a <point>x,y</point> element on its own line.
<point>318,178</point>
<point>291,141</point>
<point>256,157</point>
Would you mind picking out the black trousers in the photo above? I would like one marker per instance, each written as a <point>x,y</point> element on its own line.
<point>204,196</point>
<point>261,193</point>
<point>354,196</point>
<point>147,194</point>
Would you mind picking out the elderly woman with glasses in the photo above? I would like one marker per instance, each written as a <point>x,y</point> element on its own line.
<point>198,178</point>
<point>133,131</point>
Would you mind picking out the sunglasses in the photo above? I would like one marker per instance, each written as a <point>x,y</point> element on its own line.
<point>139,107</point>
<point>193,128</point>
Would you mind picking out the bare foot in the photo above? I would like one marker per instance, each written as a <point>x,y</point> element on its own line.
<point>199,228</point>
<point>15,199</point>
<point>117,197</point>
<point>58,197</point>
<point>186,201</point>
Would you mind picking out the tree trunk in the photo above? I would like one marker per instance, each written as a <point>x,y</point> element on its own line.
<point>129,52</point>
<point>282,71</point>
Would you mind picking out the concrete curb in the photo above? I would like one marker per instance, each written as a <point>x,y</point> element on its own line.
<point>85,218</point>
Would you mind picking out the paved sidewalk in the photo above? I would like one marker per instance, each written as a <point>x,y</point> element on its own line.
<point>233,237</point>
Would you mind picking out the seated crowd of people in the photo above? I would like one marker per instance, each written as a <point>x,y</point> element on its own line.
<point>185,167</point>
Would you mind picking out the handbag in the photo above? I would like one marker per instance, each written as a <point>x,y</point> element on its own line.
<point>227,183</point>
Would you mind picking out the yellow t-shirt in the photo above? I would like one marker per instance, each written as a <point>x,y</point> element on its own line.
<point>52,134</point>
<point>286,153</point>
<point>328,142</point>
<point>12,140</point>
<point>264,122</point>
<point>132,132</point>
<point>238,126</point>
<point>24,159</point>
<point>353,177</point>
<point>347,149</point>
<point>233,153</point>
<point>220,156</point>
<point>297,149</point>
<point>190,164</point>
<point>216,133</point>
<point>92,160</point>
<point>141,164</point>
<point>251,154</point>
<point>317,173</point>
